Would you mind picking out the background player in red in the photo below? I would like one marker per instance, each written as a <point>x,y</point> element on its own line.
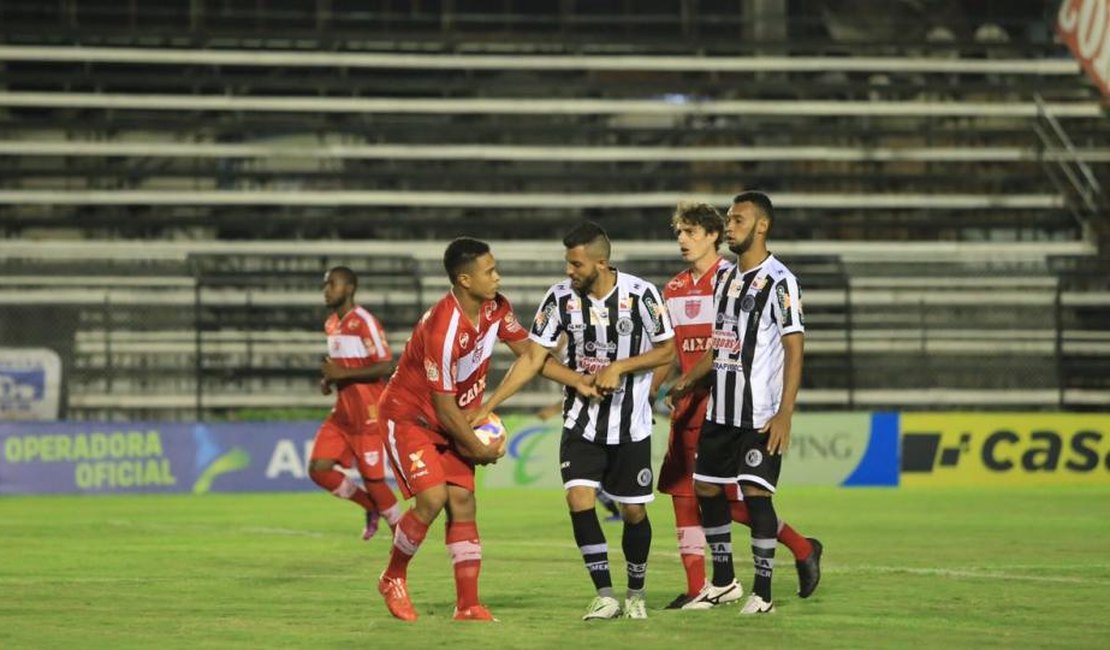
<point>431,445</point>
<point>699,228</point>
<point>358,362</point>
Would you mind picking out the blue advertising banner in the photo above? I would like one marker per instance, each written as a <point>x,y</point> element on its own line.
<point>93,458</point>
<point>849,449</point>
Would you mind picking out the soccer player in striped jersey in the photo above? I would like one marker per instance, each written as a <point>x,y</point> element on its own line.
<point>754,367</point>
<point>699,229</point>
<point>359,361</point>
<point>617,330</point>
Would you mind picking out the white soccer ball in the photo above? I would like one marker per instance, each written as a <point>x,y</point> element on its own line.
<point>491,431</point>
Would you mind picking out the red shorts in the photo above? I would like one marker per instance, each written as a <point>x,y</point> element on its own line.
<point>420,464</point>
<point>676,474</point>
<point>363,448</point>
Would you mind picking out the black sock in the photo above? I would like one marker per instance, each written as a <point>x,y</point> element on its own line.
<point>636,543</point>
<point>764,531</point>
<point>591,542</point>
<point>716,521</point>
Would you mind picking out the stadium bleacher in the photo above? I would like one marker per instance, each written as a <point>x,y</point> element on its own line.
<point>941,199</point>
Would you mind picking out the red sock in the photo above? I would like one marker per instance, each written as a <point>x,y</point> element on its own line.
<point>384,500</point>
<point>740,513</point>
<point>406,540</point>
<point>691,542</point>
<point>798,545</point>
<point>341,486</point>
<point>466,555</point>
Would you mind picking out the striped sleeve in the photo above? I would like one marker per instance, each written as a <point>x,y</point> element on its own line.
<point>653,311</point>
<point>548,323</point>
<point>439,352</point>
<point>787,306</point>
<point>374,337</point>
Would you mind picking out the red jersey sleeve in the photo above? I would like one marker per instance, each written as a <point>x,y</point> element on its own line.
<point>373,337</point>
<point>510,329</point>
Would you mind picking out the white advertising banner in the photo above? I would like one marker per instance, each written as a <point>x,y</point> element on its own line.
<point>30,384</point>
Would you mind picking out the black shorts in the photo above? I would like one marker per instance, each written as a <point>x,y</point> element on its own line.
<point>623,471</point>
<point>729,454</point>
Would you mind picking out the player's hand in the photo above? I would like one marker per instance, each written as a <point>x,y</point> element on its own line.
<point>680,388</point>
<point>608,379</point>
<point>482,454</point>
<point>778,433</point>
<point>586,387</point>
<point>477,416</point>
<point>332,371</point>
<point>325,386</point>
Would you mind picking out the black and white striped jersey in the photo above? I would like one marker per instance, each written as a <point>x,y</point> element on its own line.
<point>754,310</point>
<point>626,323</point>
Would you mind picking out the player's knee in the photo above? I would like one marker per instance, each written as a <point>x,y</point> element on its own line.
<point>320,470</point>
<point>461,505</point>
<point>581,497</point>
<point>633,513</point>
<point>321,464</point>
<point>754,491</point>
<point>430,503</point>
<point>703,489</point>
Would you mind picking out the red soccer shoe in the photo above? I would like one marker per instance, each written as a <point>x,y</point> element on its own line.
<point>396,594</point>
<point>474,613</point>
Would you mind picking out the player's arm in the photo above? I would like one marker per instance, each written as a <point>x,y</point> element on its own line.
<point>610,376</point>
<point>695,376</point>
<point>660,376</point>
<point>334,372</point>
<point>527,365</point>
<point>778,427</point>
<point>554,369</point>
<point>457,427</point>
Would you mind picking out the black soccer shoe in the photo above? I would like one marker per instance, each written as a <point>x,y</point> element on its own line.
<point>679,601</point>
<point>809,570</point>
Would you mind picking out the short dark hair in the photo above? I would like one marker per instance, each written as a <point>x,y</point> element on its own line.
<point>346,273</point>
<point>759,200</point>
<point>461,253</point>
<point>588,233</point>
<point>700,214</point>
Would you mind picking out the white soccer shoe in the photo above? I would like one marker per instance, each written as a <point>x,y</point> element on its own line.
<point>635,607</point>
<point>756,605</point>
<point>601,608</point>
<point>710,596</point>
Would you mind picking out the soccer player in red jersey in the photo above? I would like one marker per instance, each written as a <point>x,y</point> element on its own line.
<point>699,228</point>
<point>431,445</point>
<point>359,360</point>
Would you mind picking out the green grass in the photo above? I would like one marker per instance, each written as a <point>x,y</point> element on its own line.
<point>903,568</point>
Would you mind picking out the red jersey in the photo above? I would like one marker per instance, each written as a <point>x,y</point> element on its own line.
<point>690,304</point>
<point>356,341</point>
<point>448,354</point>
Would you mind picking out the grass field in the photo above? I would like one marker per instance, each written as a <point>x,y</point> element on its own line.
<point>937,568</point>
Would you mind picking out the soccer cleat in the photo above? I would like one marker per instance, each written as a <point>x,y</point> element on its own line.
<point>373,518</point>
<point>601,608</point>
<point>635,607</point>
<point>680,600</point>
<point>711,596</point>
<point>809,570</point>
<point>756,605</point>
<point>396,594</point>
<point>474,613</point>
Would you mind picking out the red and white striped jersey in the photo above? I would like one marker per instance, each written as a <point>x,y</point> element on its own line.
<point>356,341</point>
<point>690,303</point>
<point>448,354</point>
